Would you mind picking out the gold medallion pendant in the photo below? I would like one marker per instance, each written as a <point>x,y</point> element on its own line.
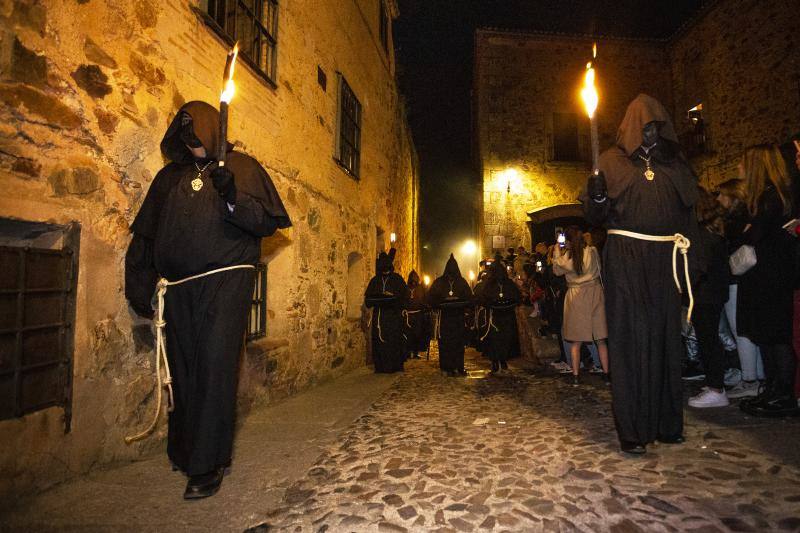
<point>649,174</point>
<point>197,184</point>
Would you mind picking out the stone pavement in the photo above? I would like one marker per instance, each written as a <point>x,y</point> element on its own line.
<point>274,447</point>
<point>522,451</point>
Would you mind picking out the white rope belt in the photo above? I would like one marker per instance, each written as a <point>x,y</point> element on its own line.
<point>437,324</point>
<point>161,347</point>
<point>490,324</point>
<point>407,315</point>
<point>681,244</point>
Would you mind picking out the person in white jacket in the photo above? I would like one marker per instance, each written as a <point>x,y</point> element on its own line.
<point>584,305</point>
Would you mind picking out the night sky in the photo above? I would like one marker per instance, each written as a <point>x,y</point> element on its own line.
<point>434,40</point>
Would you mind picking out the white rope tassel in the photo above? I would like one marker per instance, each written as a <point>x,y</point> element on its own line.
<point>437,324</point>
<point>161,348</point>
<point>681,244</point>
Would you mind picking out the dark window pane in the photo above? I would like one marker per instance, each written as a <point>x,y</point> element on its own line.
<point>41,386</point>
<point>565,137</point>
<point>41,346</point>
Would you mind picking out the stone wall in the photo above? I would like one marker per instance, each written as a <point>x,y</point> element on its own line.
<point>87,89</point>
<point>521,80</point>
<point>741,60</point>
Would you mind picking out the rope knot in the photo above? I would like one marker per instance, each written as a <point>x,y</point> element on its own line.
<point>162,284</point>
<point>682,243</point>
<point>160,323</point>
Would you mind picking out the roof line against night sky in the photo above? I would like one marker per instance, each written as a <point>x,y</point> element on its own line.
<point>679,31</point>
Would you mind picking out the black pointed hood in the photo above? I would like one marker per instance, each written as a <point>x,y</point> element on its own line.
<point>413,278</point>
<point>451,269</point>
<point>498,270</point>
<point>383,264</point>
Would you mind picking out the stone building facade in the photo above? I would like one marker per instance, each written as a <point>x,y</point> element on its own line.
<point>740,59</point>
<point>88,88</point>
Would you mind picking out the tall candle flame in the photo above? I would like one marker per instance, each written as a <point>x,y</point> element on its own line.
<point>589,92</point>
<point>230,87</point>
<point>426,280</point>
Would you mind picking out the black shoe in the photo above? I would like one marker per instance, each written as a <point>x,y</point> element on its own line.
<point>575,381</point>
<point>606,378</point>
<point>671,439</point>
<point>462,372</point>
<point>632,448</point>
<point>774,407</point>
<point>692,372</point>
<point>495,366</point>
<point>203,485</point>
<point>451,373</point>
<point>504,365</point>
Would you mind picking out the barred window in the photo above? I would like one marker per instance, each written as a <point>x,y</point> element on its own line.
<point>257,321</point>
<point>254,23</point>
<point>349,120</point>
<point>38,282</point>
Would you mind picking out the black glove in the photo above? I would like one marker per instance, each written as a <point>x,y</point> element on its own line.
<point>596,187</point>
<point>187,134</point>
<point>223,181</point>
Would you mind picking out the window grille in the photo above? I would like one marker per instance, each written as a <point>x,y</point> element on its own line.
<point>254,23</point>
<point>349,140</point>
<point>37,308</point>
<point>257,321</point>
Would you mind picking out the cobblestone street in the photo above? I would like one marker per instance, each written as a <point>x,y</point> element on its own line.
<point>525,452</point>
<point>520,451</point>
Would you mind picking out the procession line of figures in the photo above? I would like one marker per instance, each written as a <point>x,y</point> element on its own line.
<point>199,233</point>
<point>649,207</point>
<point>406,316</point>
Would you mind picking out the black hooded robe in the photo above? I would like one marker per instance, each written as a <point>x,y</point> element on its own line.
<point>418,317</point>
<point>643,304</point>
<point>500,297</point>
<point>181,232</point>
<point>452,335</point>
<point>387,296</point>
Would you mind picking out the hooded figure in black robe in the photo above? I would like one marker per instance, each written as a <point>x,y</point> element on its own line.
<point>418,317</point>
<point>197,217</point>
<point>387,296</point>
<point>500,296</point>
<point>451,296</point>
<point>643,304</point>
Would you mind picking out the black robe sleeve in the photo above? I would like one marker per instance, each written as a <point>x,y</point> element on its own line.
<point>140,270</point>
<point>259,209</point>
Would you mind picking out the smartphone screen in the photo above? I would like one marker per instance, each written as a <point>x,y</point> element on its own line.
<point>562,239</point>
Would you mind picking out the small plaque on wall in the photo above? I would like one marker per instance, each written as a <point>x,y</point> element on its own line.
<point>498,242</point>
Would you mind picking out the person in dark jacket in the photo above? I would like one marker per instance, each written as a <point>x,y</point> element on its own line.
<point>765,303</point>
<point>711,275</point>
<point>387,295</point>
<point>198,217</point>
<point>500,297</point>
<point>451,296</point>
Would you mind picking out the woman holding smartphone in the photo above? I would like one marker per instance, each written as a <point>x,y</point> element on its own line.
<point>584,305</point>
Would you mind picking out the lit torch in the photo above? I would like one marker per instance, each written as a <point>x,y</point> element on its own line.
<point>426,280</point>
<point>471,278</point>
<point>590,101</point>
<point>225,99</point>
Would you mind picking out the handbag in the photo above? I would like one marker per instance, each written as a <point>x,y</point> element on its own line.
<point>742,260</point>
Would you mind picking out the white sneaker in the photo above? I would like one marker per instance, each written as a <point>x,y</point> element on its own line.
<point>743,389</point>
<point>709,398</point>
<point>732,377</point>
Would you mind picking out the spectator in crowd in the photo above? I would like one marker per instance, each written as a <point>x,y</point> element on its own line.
<point>710,294</point>
<point>765,303</point>
<point>584,304</point>
<point>732,199</point>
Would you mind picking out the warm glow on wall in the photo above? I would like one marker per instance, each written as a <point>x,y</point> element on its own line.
<point>508,180</point>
